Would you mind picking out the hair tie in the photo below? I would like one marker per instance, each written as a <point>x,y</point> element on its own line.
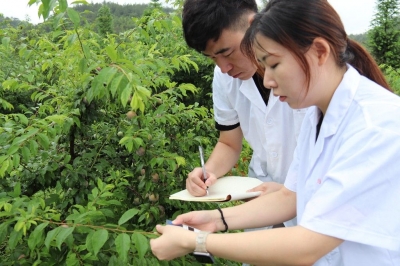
<point>223,219</point>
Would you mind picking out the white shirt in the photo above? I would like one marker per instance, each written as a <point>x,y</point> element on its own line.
<point>271,130</point>
<point>348,182</point>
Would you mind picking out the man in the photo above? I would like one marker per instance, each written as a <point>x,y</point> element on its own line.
<point>242,106</point>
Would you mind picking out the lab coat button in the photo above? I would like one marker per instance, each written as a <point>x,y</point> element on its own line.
<point>269,121</point>
<point>274,154</point>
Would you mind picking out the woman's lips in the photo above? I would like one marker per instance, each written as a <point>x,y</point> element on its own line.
<point>237,75</point>
<point>282,98</point>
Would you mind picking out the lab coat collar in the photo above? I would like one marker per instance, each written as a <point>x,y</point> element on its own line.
<point>249,89</point>
<point>337,109</point>
<point>341,101</point>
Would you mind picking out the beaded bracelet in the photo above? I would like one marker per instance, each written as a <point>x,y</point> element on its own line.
<point>223,219</point>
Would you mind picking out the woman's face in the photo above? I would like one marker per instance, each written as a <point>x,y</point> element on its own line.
<point>282,73</point>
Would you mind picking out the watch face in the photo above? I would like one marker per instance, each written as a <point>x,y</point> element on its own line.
<point>203,257</point>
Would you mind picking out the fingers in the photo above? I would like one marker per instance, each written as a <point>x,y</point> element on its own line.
<point>211,179</point>
<point>195,183</point>
<point>267,187</point>
<point>160,228</point>
<point>169,245</point>
<point>182,219</point>
<point>262,187</point>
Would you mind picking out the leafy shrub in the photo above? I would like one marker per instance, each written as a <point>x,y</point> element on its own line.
<point>101,137</point>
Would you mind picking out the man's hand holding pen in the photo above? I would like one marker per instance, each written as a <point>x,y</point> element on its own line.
<point>195,182</point>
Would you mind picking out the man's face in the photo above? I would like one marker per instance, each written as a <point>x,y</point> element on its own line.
<point>226,53</point>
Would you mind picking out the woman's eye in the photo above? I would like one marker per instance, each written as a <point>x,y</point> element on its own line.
<point>274,66</point>
<point>228,54</point>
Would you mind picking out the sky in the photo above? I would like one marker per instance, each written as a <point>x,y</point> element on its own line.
<point>355,14</point>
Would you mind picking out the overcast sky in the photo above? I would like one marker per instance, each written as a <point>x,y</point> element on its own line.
<point>356,14</point>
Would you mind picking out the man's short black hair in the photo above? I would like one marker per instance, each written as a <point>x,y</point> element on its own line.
<point>204,20</point>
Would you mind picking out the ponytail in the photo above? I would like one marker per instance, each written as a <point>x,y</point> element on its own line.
<point>357,56</point>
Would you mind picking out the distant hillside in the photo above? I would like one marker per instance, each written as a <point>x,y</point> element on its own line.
<point>361,38</point>
<point>122,14</point>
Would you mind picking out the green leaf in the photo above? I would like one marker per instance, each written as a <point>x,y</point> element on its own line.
<point>143,92</point>
<point>26,154</point>
<point>6,42</point>
<point>3,158</point>
<point>3,231</point>
<point>50,236</point>
<point>122,243</point>
<point>82,65</point>
<point>141,244</point>
<point>59,119</point>
<point>86,50</point>
<point>36,236</point>
<point>17,190</point>
<point>33,147</point>
<point>62,235</point>
<point>115,84</point>
<point>127,216</point>
<point>23,119</point>
<point>126,93</point>
<point>4,167</point>
<point>16,160</point>
<point>137,102</point>
<point>72,259</point>
<point>98,240</point>
<point>44,8</point>
<point>63,4</point>
<point>73,16</point>
<point>15,237</point>
<point>43,140</point>
<point>19,225</point>
<point>180,160</point>
<point>12,149</point>
<point>112,53</point>
<point>100,184</point>
<point>31,2</point>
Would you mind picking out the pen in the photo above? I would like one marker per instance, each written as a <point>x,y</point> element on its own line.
<point>202,165</point>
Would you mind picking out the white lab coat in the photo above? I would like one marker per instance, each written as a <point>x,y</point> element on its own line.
<point>348,182</point>
<point>271,131</point>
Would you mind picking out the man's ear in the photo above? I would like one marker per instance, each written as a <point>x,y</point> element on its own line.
<point>322,49</point>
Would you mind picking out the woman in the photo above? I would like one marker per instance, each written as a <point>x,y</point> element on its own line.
<point>344,182</point>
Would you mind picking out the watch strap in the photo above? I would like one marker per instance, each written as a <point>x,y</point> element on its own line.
<point>201,238</point>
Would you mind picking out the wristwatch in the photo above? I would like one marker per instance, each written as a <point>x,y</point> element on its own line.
<point>200,252</point>
<point>201,241</point>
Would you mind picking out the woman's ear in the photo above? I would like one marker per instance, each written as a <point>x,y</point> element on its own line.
<point>251,18</point>
<point>322,49</point>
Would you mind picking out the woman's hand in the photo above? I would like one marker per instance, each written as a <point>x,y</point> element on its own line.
<point>209,221</point>
<point>266,188</point>
<point>174,242</point>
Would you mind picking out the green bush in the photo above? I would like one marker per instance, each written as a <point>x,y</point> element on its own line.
<point>95,134</point>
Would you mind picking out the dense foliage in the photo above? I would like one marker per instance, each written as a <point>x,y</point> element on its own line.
<point>96,131</point>
<point>95,135</point>
<point>104,21</point>
<point>384,37</point>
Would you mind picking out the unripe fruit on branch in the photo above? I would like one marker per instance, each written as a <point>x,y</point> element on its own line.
<point>131,114</point>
